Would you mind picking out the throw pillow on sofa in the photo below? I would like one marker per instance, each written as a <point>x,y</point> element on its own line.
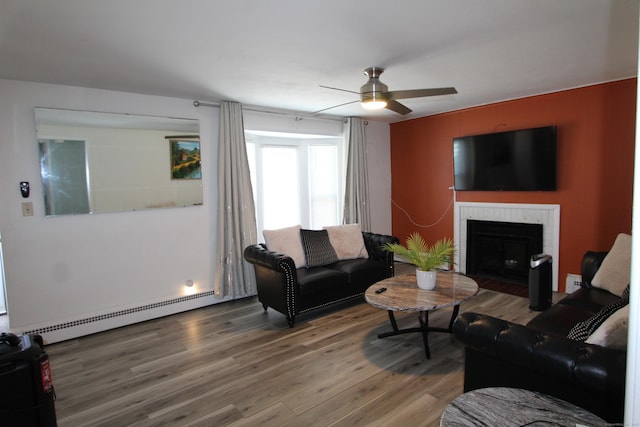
<point>317,248</point>
<point>615,272</point>
<point>347,241</point>
<point>286,241</point>
<point>613,332</point>
<point>583,330</point>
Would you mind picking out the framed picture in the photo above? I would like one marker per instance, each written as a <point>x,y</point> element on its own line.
<point>185,159</point>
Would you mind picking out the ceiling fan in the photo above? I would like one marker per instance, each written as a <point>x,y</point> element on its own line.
<point>375,95</point>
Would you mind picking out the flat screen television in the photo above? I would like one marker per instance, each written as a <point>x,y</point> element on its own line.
<point>519,160</point>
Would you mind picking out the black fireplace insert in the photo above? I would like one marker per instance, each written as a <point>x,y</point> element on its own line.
<point>502,250</point>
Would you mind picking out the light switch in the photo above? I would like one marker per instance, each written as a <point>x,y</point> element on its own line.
<point>27,209</point>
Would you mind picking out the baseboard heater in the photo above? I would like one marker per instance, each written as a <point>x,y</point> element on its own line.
<point>102,322</point>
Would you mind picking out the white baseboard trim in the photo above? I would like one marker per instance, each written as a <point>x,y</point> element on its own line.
<point>67,330</point>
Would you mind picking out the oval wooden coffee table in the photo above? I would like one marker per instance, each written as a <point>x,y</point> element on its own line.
<point>402,294</point>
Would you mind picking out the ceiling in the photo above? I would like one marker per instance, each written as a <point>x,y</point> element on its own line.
<point>277,53</point>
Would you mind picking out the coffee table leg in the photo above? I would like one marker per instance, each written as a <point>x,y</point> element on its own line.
<point>423,317</point>
<point>392,319</point>
<point>454,315</point>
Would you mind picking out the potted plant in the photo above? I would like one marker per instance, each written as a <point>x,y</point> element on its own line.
<point>426,258</point>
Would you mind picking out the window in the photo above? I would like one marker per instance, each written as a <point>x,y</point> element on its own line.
<point>296,179</point>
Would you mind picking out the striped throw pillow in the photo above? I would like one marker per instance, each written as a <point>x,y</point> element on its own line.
<point>317,248</point>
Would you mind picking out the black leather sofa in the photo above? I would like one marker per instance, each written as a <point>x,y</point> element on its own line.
<point>292,291</point>
<point>539,357</point>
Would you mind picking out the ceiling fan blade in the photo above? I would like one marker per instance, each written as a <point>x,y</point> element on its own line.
<point>337,88</point>
<point>418,93</point>
<point>397,107</point>
<point>335,106</point>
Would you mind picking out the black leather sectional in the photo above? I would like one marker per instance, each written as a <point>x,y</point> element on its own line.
<point>539,356</point>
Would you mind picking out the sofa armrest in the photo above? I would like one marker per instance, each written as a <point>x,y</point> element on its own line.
<point>260,255</point>
<point>596,370</point>
<point>374,243</point>
<point>276,279</point>
<point>591,262</point>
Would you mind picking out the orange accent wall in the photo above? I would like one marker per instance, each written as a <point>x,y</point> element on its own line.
<point>596,128</point>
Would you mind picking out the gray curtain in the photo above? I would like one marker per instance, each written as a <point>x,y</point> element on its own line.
<point>356,195</point>
<point>236,224</point>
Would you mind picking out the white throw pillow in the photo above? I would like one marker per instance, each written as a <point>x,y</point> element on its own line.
<point>347,241</point>
<point>615,272</point>
<point>286,241</point>
<point>613,332</point>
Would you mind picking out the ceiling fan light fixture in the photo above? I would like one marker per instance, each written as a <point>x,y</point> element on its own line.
<point>374,104</point>
<point>372,92</point>
<point>375,95</point>
<point>373,100</point>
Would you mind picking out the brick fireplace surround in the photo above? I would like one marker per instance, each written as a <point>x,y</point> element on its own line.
<point>546,214</point>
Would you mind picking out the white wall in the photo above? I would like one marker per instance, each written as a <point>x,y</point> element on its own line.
<point>379,165</point>
<point>60,269</point>
<point>69,268</point>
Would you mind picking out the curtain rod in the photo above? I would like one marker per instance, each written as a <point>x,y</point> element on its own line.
<point>197,103</point>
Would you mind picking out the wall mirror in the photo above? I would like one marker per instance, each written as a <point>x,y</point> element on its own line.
<point>94,162</point>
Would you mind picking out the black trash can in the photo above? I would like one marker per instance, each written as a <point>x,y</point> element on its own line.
<point>540,282</point>
<point>26,387</point>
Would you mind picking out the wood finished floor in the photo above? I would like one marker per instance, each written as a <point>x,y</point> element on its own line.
<point>232,364</point>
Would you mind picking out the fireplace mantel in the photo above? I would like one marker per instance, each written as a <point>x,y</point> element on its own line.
<point>546,214</point>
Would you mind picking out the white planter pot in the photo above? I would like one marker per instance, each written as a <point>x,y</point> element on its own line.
<point>426,279</point>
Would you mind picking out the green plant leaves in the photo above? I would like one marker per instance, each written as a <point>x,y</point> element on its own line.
<point>423,256</point>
